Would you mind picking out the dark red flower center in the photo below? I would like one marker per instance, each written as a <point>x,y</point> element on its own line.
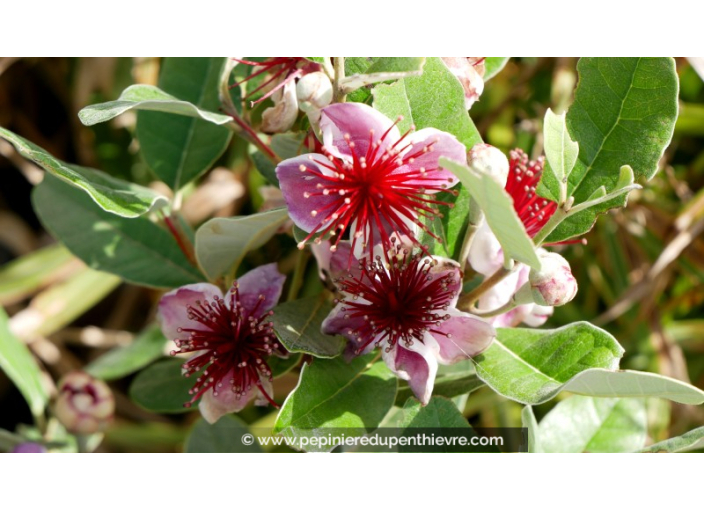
<point>231,339</point>
<point>375,190</point>
<point>397,301</point>
<point>523,177</point>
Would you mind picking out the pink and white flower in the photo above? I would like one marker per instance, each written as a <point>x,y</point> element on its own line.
<point>230,338</point>
<point>486,255</point>
<point>370,180</point>
<point>281,75</point>
<point>406,307</point>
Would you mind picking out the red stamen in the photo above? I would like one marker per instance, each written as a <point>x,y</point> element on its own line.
<point>281,70</point>
<point>398,301</point>
<point>523,177</point>
<point>229,338</point>
<point>377,190</point>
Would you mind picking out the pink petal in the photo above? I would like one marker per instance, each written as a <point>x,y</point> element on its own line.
<point>417,364</point>
<point>173,313</point>
<point>443,145</point>
<point>213,407</point>
<point>447,267</point>
<point>341,322</point>
<point>301,193</point>
<point>462,336</point>
<point>485,254</point>
<point>537,315</point>
<point>500,294</point>
<point>262,282</point>
<point>356,120</point>
<point>281,117</point>
<point>335,264</point>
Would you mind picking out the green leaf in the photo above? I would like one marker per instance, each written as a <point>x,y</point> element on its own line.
<point>122,361</point>
<point>529,422</point>
<point>561,154</point>
<point>335,397</point>
<point>383,69</point>
<point>21,368</point>
<point>433,99</point>
<point>224,436</point>
<point>396,65</point>
<point>162,388</point>
<point>23,276</point>
<point>135,249</point>
<point>180,148</point>
<point>586,424</point>
<point>297,326</point>
<point>631,383</point>
<point>281,366</point>
<point>111,194</point>
<point>439,413</point>
<point>146,98</point>
<point>531,366</point>
<point>222,243</point>
<point>692,440</point>
<point>493,65</point>
<point>623,113</point>
<point>498,210</point>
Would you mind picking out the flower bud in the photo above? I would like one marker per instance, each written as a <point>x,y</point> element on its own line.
<point>281,116</point>
<point>85,405</point>
<point>489,160</point>
<point>314,91</point>
<point>29,448</point>
<point>554,284</point>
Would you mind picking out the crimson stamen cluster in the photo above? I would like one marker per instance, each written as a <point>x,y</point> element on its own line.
<point>398,301</point>
<point>231,338</point>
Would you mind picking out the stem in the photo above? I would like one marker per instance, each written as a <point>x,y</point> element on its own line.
<point>328,67</point>
<point>468,300</point>
<point>493,313</point>
<point>475,220</point>
<point>181,239</point>
<point>299,273</point>
<point>553,222</point>
<point>239,125</point>
<point>338,96</point>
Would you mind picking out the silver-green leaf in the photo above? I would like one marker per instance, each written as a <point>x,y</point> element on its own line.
<point>586,424</point>
<point>110,193</point>
<point>146,98</point>
<point>222,243</point>
<point>21,368</point>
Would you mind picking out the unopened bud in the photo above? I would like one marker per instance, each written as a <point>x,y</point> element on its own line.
<point>85,405</point>
<point>281,116</point>
<point>554,284</point>
<point>489,160</point>
<point>314,91</point>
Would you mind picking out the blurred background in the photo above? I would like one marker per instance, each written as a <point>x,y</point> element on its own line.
<point>641,273</point>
